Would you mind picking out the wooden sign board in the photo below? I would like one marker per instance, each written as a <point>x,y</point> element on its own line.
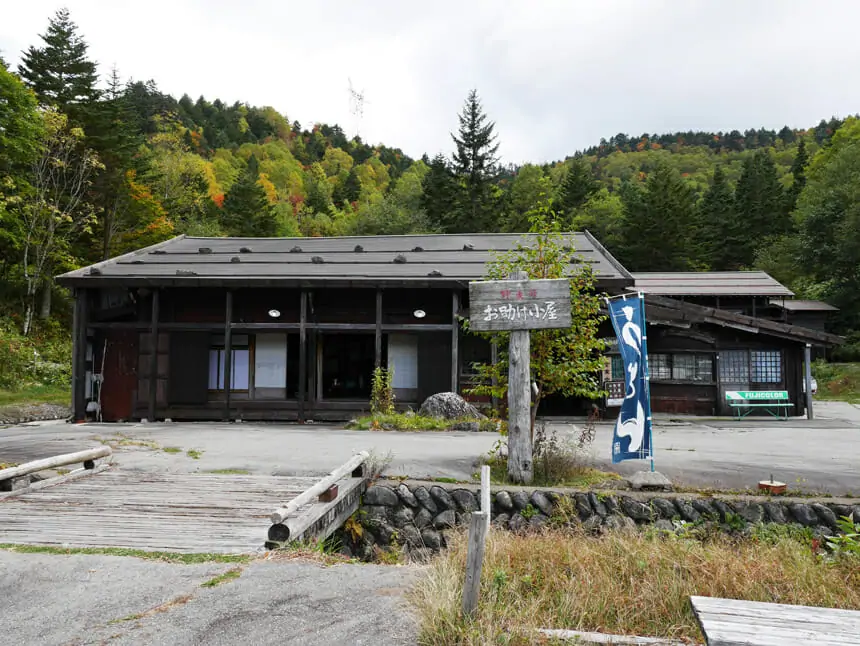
<point>501,305</point>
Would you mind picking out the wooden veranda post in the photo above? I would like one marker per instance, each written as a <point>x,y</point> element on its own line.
<point>303,352</point>
<point>518,305</point>
<point>153,357</point>
<point>455,341</point>
<point>228,352</point>
<point>79,356</point>
<point>377,352</point>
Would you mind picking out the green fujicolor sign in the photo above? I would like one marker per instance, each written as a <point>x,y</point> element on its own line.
<point>750,395</point>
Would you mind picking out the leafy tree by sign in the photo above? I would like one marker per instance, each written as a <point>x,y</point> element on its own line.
<point>563,361</point>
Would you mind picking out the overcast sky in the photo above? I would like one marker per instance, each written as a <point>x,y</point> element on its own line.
<point>554,76</point>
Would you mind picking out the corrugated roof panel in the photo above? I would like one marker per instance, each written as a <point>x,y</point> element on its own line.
<point>800,305</point>
<point>724,283</point>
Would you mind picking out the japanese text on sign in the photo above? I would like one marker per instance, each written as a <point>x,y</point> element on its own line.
<point>548,311</point>
<point>519,304</point>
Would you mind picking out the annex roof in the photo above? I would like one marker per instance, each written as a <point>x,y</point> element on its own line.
<point>411,259</point>
<point>710,283</point>
<point>803,305</point>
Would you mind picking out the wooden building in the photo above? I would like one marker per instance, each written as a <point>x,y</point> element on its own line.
<point>276,328</point>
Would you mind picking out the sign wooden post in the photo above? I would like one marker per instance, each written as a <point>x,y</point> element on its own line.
<point>519,305</point>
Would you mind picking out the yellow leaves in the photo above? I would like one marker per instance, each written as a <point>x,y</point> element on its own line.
<point>268,187</point>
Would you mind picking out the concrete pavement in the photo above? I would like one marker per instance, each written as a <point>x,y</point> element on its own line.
<point>86,599</point>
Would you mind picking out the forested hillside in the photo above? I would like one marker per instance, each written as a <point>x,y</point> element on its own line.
<point>93,165</point>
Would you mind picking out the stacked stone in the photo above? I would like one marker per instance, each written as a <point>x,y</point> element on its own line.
<point>417,518</point>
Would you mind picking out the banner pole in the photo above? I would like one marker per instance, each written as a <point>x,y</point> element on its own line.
<point>647,378</point>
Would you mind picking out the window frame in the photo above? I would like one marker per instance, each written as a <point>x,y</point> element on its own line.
<point>217,344</point>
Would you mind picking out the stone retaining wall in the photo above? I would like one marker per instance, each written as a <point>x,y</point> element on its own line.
<point>417,516</point>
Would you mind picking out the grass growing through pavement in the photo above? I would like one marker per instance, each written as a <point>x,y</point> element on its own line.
<point>230,472</point>
<point>168,557</point>
<point>621,583</point>
<point>194,454</point>
<point>172,449</point>
<point>838,381</point>
<point>412,422</point>
<point>224,577</point>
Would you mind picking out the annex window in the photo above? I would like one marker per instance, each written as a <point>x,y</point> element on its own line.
<point>660,366</point>
<point>240,363</point>
<point>734,367</point>
<point>766,366</point>
<point>617,367</point>
<point>692,367</point>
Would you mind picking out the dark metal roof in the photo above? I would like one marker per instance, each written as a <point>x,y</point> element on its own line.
<point>413,259</point>
<point>710,283</point>
<point>669,310</point>
<point>803,305</point>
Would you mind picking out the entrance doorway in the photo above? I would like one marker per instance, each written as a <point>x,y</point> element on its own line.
<point>346,366</point>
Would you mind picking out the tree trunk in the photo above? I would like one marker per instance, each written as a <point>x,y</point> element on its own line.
<point>45,306</point>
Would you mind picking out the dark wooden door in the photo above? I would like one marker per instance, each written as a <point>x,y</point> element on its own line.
<point>188,382</point>
<point>120,374</point>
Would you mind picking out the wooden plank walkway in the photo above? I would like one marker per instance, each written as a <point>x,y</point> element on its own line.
<point>729,622</point>
<point>152,511</point>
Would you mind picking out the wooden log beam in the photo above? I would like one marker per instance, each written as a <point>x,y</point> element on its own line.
<point>55,461</point>
<point>344,470</point>
<point>50,482</point>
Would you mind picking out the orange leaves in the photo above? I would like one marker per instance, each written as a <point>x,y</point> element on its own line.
<point>218,198</point>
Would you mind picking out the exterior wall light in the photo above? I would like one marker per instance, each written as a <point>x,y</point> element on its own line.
<point>419,314</point>
<point>274,313</point>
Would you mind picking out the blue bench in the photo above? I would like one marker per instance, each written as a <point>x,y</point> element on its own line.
<point>774,402</point>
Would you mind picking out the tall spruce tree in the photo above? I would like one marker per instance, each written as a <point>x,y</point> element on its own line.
<point>720,231</point>
<point>439,195</point>
<point>60,73</point>
<point>579,185</point>
<point>798,172</point>
<point>475,163</point>
<point>760,204</point>
<point>246,210</point>
<point>658,222</point>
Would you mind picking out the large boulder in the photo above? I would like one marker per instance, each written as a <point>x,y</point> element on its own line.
<point>448,406</point>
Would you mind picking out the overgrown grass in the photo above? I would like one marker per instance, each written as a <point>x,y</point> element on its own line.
<point>172,449</point>
<point>621,583</point>
<point>169,557</point>
<point>224,577</point>
<point>412,422</point>
<point>838,381</point>
<point>36,394</point>
<point>194,454</point>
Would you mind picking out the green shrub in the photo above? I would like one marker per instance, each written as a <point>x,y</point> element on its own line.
<point>382,392</point>
<point>44,358</point>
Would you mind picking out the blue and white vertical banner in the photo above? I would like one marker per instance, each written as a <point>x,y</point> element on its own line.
<point>632,439</point>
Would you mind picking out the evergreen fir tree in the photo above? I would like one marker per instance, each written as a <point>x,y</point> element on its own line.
<point>246,210</point>
<point>60,72</point>
<point>439,195</point>
<point>720,232</point>
<point>798,172</point>
<point>351,187</point>
<point>657,223</point>
<point>579,184</point>
<point>475,165</point>
<point>760,205</point>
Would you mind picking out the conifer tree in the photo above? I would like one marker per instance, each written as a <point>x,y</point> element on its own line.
<point>246,209</point>
<point>760,204</point>
<point>798,172</point>
<point>475,163</point>
<point>720,232</point>
<point>439,195</point>
<point>578,186</point>
<point>657,223</point>
<point>60,73</point>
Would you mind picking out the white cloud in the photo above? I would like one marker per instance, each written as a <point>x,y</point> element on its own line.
<point>554,76</point>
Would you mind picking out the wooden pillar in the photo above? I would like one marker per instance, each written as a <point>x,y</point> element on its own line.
<point>303,352</point>
<point>79,356</point>
<point>228,351</point>
<point>807,367</point>
<point>153,357</point>
<point>455,341</point>
<point>520,467</point>
<point>377,361</point>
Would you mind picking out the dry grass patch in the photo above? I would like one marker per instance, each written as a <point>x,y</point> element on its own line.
<point>621,583</point>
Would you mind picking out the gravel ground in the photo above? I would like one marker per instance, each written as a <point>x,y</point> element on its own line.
<point>85,599</point>
<point>20,414</point>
